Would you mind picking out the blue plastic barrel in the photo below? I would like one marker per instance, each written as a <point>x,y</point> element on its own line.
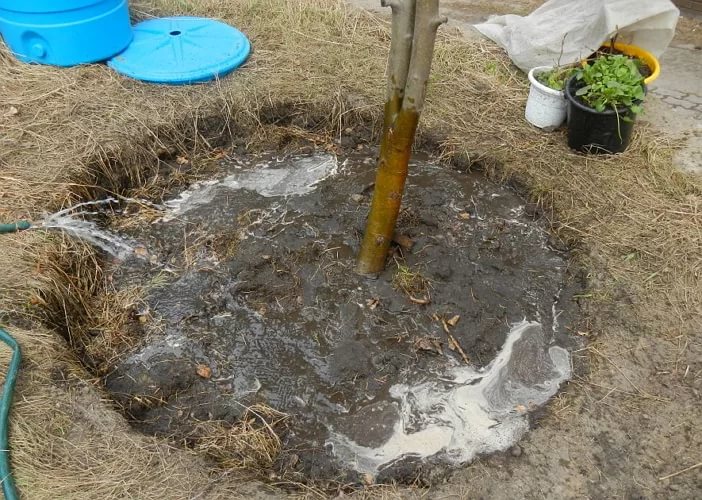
<point>65,32</point>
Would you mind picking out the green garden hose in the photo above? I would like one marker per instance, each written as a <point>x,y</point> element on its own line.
<point>15,226</point>
<point>8,483</point>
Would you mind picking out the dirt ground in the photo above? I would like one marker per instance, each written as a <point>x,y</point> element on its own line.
<point>627,427</point>
<point>270,308</point>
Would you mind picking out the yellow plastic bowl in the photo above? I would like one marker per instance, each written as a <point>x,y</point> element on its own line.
<point>634,51</point>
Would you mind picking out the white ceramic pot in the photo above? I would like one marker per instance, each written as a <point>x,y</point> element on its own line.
<point>546,107</point>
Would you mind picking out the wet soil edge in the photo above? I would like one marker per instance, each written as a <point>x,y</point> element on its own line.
<point>72,269</point>
<point>132,168</point>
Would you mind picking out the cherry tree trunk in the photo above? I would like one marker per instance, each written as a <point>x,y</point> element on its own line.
<point>414,25</point>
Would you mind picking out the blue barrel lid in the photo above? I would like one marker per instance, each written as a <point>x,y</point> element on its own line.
<point>180,50</point>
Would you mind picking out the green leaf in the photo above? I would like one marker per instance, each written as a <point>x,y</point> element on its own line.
<point>611,81</point>
<point>555,78</point>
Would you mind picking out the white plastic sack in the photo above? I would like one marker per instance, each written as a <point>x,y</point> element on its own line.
<point>565,31</point>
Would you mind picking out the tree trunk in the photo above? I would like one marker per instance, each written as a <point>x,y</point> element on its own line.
<point>400,54</point>
<point>402,110</point>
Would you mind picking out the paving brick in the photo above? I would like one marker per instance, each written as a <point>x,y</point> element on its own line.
<point>680,103</point>
<point>669,93</point>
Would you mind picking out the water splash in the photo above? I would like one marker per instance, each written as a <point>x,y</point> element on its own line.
<point>301,176</point>
<point>72,221</point>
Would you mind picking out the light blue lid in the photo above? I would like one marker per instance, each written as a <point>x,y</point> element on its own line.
<point>180,50</point>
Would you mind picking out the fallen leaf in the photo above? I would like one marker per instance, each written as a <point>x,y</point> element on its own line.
<point>429,344</point>
<point>36,300</point>
<point>454,320</point>
<point>520,408</point>
<point>424,344</point>
<point>182,160</point>
<point>372,303</point>
<point>404,241</point>
<point>141,251</point>
<point>464,216</point>
<point>423,301</point>
<point>217,154</point>
<point>204,371</point>
<point>445,325</point>
<point>438,346</point>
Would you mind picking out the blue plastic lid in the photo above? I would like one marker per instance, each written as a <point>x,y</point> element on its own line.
<point>179,50</point>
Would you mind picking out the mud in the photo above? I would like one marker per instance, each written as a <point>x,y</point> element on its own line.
<point>252,275</point>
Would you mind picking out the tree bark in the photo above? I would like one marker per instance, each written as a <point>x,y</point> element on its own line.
<point>402,112</point>
<point>400,54</point>
<point>427,21</point>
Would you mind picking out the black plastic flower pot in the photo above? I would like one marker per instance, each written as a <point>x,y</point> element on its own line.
<point>592,131</point>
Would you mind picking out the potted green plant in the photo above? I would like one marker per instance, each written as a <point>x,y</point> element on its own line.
<point>648,63</point>
<point>546,105</point>
<point>604,97</point>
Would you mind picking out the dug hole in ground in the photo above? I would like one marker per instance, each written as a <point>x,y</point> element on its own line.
<point>623,233</point>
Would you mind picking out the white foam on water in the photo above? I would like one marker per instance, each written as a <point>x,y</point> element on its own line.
<point>470,412</point>
<point>300,176</point>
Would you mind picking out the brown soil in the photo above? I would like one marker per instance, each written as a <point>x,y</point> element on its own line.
<point>280,318</point>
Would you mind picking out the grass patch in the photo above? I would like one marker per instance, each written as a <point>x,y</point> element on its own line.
<point>252,443</point>
<point>410,281</point>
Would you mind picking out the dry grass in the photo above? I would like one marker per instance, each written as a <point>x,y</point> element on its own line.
<point>252,443</point>
<point>411,282</point>
<point>82,131</point>
<point>68,443</point>
<point>95,128</point>
<point>317,68</point>
<point>115,315</point>
<point>72,276</point>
